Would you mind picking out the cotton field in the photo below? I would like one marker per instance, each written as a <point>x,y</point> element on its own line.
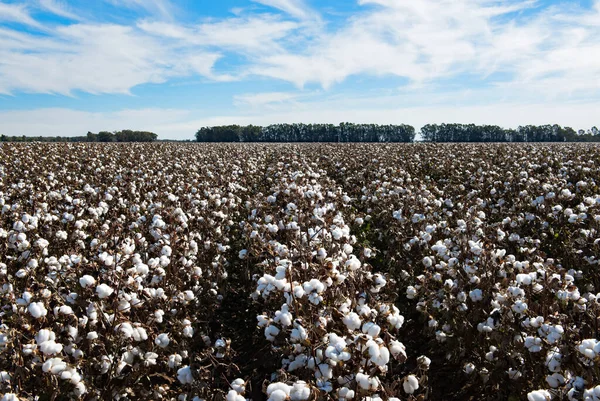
<point>299,272</point>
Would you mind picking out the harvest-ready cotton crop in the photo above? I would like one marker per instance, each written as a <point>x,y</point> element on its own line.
<point>299,272</point>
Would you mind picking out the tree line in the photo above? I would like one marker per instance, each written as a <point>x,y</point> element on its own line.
<point>348,132</point>
<point>344,132</point>
<point>126,135</point>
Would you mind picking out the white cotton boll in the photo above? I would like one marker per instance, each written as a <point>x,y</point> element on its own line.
<point>397,349</point>
<point>188,295</point>
<point>371,329</point>
<point>87,281</point>
<point>555,380</point>
<point>92,335</point>
<point>368,252</point>
<point>37,309</point>
<point>395,320</point>
<point>271,332</point>
<point>427,262</point>
<point>239,385</point>
<point>9,397</point>
<point>283,316</point>
<point>242,254</point>
<point>410,384</point>
<point>282,388</point>
<point>469,368</point>
<point>424,362</point>
<point>352,321</point>
<point>300,391</point>
<point>54,366</point>
<point>184,375</point>
<point>353,263</point>
<point>65,310</point>
<point>476,295</point>
<point>188,331</point>
<point>174,360</point>
<point>533,344</point>
<point>232,395</point>
<point>162,340</point>
<point>277,395</point>
<point>345,393</point>
<point>519,307</point>
<point>79,389</point>
<point>411,292</point>
<point>4,377</point>
<point>104,291</point>
<point>140,334</point>
<point>539,395</point>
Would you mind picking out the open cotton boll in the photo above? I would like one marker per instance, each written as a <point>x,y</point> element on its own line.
<point>271,332</point>
<point>300,391</point>
<point>104,291</point>
<point>54,366</point>
<point>239,385</point>
<point>345,393</point>
<point>4,376</point>
<point>9,397</point>
<point>162,340</point>
<point>87,281</point>
<point>278,391</point>
<point>283,316</point>
<point>37,310</point>
<point>539,395</point>
<point>184,375</point>
<point>410,384</point>
<point>371,329</point>
<point>233,395</point>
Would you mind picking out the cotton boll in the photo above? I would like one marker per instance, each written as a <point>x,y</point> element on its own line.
<point>87,281</point>
<point>37,310</point>
<point>239,385</point>
<point>162,340</point>
<point>277,395</point>
<point>54,366</point>
<point>271,332</point>
<point>104,291</point>
<point>555,380</point>
<point>232,395</point>
<point>410,384</point>
<point>184,375</point>
<point>278,391</point>
<point>371,329</point>
<point>300,391</point>
<point>539,395</point>
<point>345,393</point>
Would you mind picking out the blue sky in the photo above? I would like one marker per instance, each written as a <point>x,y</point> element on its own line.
<point>173,66</point>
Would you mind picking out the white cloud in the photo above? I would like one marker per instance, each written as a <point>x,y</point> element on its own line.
<point>17,13</point>
<point>93,58</point>
<point>157,8</point>
<point>266,99</point>
<point>295,8</point>
<point>58,8</point>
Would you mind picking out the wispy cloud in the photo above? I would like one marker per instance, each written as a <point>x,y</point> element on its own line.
<point>17,13</point>
<point>264,99</point>
<point>157,8</point>
<point>58,8</point>
<point>93,58</point>
<point>294,8</point>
